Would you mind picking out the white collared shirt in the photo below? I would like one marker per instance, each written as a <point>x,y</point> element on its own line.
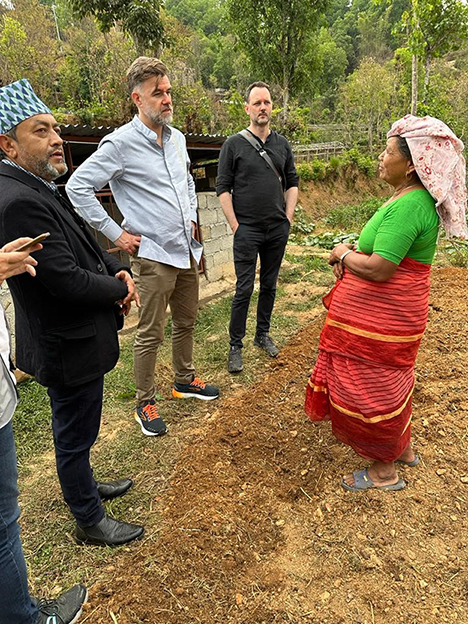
<point>152,187</point>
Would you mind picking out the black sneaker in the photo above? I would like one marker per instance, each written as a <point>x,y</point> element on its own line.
<point>266,343</point>
<point>66,609</point>
<point>196,389</point>
<point>235,360</point>
<point>149,420</point>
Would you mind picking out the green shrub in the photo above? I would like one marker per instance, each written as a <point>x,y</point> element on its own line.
<point>319,169</point>
<point>329,240</point>
<point>353,217</point>
<point>333,166</point>
<point>364,164</point>
<point>304,171</point>
<point>457,253</point>
<point>301,226</point>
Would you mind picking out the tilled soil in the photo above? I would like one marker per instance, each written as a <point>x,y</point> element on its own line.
<point>255,527</point>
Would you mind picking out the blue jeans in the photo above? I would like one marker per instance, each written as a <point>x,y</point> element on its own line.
<point>15,603</point>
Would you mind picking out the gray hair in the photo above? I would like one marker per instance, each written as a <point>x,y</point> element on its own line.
<point>141,69</point>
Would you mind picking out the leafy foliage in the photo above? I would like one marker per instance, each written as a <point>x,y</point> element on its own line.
<point>139,18</point>
<point>301,226</point>
<point>353,217</point>
<point>366,99</point>
<point>285,53</point>
<point>329,240</point>
<point>353,159</point>
<point>346,73</point>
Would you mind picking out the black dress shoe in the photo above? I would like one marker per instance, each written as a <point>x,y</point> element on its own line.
<point>112,489</point>
<point>108,532</point>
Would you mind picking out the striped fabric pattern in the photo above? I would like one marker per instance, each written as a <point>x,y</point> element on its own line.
<point>364,376</point>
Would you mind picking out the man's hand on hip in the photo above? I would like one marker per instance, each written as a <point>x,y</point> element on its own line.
<point>132,294</point>
<point>128,242</point>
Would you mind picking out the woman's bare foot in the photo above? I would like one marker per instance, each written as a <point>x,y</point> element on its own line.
<point>380,473</point>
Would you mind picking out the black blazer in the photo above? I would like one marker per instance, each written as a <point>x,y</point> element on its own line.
<point>65,317</point>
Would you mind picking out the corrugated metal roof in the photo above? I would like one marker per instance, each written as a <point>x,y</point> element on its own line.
<point>85,130</point>
<point>80,130</point>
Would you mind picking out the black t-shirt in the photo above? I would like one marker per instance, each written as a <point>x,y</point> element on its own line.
<point>257,196</point>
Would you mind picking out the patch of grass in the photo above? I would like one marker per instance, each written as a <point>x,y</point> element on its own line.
<point>32,421</point>
<point>303,306</point>
<point>353,217</point>
<point>309,262</point>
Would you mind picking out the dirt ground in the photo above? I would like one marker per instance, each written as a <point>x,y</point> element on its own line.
<point>255,527</point>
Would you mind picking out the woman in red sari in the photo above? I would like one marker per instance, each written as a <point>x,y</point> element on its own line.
<point>363,379</point>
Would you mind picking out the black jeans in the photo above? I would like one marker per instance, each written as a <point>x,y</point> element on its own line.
<point>76,418</point>
<point>250,242</point>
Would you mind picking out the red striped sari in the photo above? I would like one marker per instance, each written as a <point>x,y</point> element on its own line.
<point>364,376</point>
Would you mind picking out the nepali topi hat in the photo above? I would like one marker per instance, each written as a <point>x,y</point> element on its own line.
<point>17,103</point>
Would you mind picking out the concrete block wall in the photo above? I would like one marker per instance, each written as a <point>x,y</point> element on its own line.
<point>216,237</point>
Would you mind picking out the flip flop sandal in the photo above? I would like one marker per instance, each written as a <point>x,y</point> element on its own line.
<point>362,482</point>
<point>411,464</point>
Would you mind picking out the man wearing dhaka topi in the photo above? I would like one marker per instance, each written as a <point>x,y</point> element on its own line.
<point>68,316</point>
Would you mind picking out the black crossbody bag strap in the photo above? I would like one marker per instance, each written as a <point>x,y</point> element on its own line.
<point>259,148</point>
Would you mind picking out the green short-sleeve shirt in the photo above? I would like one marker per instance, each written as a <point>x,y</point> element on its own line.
<point>406,228</point>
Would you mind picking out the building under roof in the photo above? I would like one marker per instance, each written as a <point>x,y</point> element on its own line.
<point>82,140</point>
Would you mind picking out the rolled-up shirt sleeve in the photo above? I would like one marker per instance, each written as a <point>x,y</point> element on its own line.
<point>290,173</point>
<point>98,170</point>
<point>225,179</point>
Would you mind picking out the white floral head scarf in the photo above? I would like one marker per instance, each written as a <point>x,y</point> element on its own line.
<point>437,158</point>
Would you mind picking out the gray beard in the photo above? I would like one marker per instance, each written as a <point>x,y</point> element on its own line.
<point>159,120</point>
<point>44,169</point>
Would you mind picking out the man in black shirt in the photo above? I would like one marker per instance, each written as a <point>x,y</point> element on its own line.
<point>257,186</point>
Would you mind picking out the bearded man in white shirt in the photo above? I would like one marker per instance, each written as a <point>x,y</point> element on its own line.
<point>148,169</point>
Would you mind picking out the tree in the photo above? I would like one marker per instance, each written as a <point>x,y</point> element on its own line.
<point>278,37</point>
<point>435,27</point>
<point>366,99</point>
<point>27,37</point>
<point>141,19</point>
<point>92,78</point>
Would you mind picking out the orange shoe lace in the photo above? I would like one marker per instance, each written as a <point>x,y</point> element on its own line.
<point>150,412</point>
<point>198,383</point>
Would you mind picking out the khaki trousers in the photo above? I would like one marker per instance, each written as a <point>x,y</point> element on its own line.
<point>160,285</point>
